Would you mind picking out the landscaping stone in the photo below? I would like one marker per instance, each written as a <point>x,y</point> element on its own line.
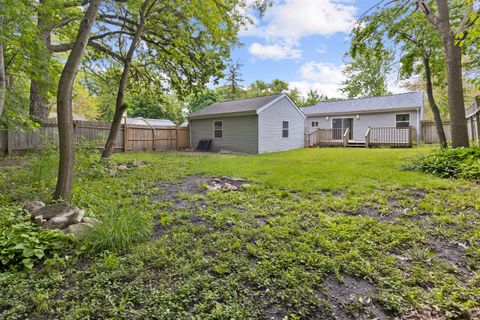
<point>39,221</point>
<point>90,220</point>
<point>56,223</point>
<point>79,230</point>
<point>31,206</point>
<point>77,217</point>
<point>55,210</point>
<point>122,167</point>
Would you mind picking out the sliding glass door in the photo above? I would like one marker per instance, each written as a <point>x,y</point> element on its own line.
<point>340,125</point>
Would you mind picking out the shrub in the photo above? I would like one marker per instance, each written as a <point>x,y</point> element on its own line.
<point>449,163</point>
<point>120,229</point>
<point>22,243</point>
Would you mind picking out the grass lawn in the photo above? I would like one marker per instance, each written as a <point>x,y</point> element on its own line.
<point>315,234</point>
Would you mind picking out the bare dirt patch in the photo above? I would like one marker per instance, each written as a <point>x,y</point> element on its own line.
<point>352,299</point>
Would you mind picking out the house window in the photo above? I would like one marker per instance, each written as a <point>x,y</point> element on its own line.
<point>285,129</point>
<point>218,129</point>
<point>402,120</point>
<point>314,123</point>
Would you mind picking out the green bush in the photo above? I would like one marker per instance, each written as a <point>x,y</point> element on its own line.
<point>120,229</point>
<point>449,163</point>
<point>22,244</point>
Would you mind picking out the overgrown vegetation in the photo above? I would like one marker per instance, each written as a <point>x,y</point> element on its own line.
<point>449,163</point>
<point>315,232</point>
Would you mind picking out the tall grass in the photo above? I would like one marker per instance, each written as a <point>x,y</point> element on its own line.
<point>120,229</point>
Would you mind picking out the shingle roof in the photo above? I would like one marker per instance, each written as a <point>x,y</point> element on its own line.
<point>235,106</point>
<point>397,101</point>
<point>151,122</point>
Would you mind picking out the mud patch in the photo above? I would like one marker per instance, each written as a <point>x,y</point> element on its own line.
<point>196,184</point>
<point>373,213</point>
<point>274,312</point>
<point>454,253</point>
<point>352,299</point>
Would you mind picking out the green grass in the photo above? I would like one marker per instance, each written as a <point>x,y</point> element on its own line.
<point>312,219</point>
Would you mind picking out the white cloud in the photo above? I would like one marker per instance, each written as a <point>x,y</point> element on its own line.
<point>292,19</point>
<point>324,77</point>
<point>274,51</point>
<point>322,72</point>
<point>322,49</point>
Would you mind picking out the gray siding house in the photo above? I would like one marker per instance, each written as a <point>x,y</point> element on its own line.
<point>397,111</point>
<point>257,125</point>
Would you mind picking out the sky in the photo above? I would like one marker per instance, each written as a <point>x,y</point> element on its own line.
<point>302,42</point>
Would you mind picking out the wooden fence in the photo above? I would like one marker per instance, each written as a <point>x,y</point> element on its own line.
<point>429,131</point>
<point>94,134</point>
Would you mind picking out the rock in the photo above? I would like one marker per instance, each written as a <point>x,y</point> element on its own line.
<point>77,217</point>
<point>228,187</point>
<point>122,167</point>
<point>55,210</point>
<point>90,220</point>
<point>214,187</point>
<point>31,206</point>
<point>237,179</point>
<point>245,186</point>
<point>79,230</point>
<point>56,223</point>
<point>39,221</point>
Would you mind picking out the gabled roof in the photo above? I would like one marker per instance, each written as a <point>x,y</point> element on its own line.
<point>242,106</point>
<point>402,101</point>
<point>150,122</point>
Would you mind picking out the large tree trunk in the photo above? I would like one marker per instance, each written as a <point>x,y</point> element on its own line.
<point>120,106</point>
<point>456,103</point>
<point>2,73</point>
<point>39,107</point>
<point>64,105</point>
<point>431,101</point>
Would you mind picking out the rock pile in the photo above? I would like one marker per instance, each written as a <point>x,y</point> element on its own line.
<point>60,216</point>
<point>226,184</point>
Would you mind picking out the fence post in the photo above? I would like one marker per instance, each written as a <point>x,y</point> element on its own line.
<point>125,135</point>
<point>176,137</point>
<point>9,147</point>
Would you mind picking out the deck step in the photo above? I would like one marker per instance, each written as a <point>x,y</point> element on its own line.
<point>356,144</point>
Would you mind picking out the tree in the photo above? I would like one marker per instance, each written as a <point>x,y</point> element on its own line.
<point>202,100</point>
<point>2,71</point>
<point>234,78</point>
<point>66,167</point>
<point>278,86</point>
<point>366,74</point>
<point>416,42</point>
<point>453,57</point>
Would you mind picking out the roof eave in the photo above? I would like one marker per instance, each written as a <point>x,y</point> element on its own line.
<point>224,114</point>
<point>412,108</point>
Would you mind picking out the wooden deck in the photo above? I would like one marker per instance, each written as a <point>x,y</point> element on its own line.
<point>374,137</point>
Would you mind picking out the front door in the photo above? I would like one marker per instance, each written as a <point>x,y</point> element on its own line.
<point>341,124</point>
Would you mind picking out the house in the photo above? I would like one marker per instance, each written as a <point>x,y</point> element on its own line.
<point>255,125</point>
<point>394,111</point>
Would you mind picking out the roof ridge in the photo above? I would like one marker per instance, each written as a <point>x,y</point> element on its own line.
<point>268,95</point>
<point>385,96</point>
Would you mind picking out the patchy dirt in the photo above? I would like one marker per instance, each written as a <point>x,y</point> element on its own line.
<point>352,299</point>
<point>275,312</point>
<point>373,213</point>
<point>196,184</point>
<point>454,253</point>
<point>6,162</point>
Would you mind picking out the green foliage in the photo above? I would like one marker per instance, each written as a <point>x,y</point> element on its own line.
<point>121,228</point>
<point>449,163</point>
<point>22,243</point>
<point>202,100</point>
<point>155,107</point>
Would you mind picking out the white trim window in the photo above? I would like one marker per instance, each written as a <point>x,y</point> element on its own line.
<point>285,128</point>
<point>218,128</point>
<point>402,120</point>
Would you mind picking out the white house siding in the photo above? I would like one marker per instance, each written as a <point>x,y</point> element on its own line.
<point>270,121</point>
<point>239,133</point>
<point>360,126</point>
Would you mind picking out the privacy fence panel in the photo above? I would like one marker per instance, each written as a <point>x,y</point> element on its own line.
<point>429,131</point>
<point>94,134</point>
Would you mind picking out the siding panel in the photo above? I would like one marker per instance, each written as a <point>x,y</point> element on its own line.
<point>270,127</point>
<point>240,133</point>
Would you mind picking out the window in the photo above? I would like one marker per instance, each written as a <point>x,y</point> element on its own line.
<point>314,123</point>
<point>218,129</point>
<point>402,120</point>
<point>285,129</point>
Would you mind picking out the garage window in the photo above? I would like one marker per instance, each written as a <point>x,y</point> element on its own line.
<point>314,123</point>
<point>218,128</point>
<point>402,120</point>
<point>285,129</point>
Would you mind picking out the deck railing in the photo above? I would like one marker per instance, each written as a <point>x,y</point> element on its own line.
<point>346,136</point>
<point>390,136</point>
<point>368,137</point>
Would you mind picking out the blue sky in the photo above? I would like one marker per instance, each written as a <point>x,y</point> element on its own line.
<point>302,42</point>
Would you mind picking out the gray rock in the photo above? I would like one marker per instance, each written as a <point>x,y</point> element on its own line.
<point>39,221</point>
<point>214,187</point>
<point>79,230</point>
<point>55,210</point>
<point>90,220</point>
<point>56,223</point>
<point>31,206</point>
<point>77,217</point>
<point>229,187</point>
<point>122,167</point>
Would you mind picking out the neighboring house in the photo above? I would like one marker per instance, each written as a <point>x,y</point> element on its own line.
<point>397,111</point>
<point>150,122</point>
<point>256,125</point>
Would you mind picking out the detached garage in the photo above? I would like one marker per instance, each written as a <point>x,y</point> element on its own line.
<point>257,125</point>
